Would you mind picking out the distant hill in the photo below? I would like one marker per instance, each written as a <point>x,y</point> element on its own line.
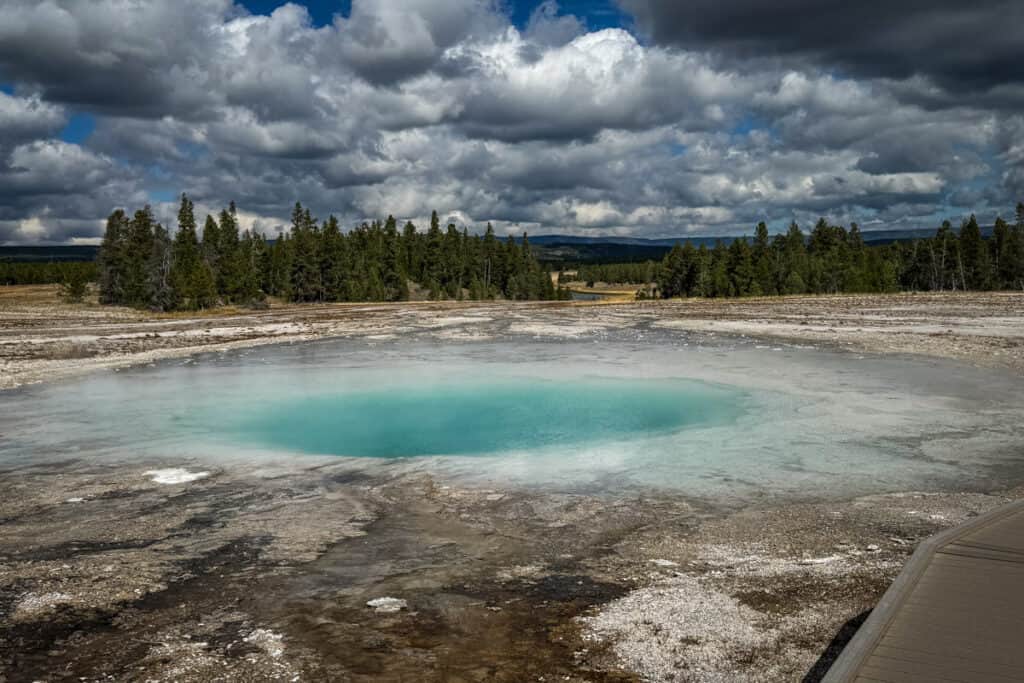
<point>870,237</point>
<point>554,249</point>
<point>549,249</point>
<point>44,254</point>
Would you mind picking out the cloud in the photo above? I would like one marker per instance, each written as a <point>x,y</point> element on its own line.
<point>27,118</point>
<point>701,124</point>
<point>600,80</point>
<point>387,41</point>
<point>141,58</point>
<point>961,46</point>
<point>547,26</point>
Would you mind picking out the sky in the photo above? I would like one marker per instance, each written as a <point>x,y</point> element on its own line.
<point>648,118</point>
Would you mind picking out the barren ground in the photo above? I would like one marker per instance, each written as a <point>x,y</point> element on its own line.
<point>107,572</point>
<point>42,339</point>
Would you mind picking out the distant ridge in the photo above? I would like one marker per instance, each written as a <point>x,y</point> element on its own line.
<point>554,250</point>
<point>870,237</point>
<point>550,249</point>
<point>43,254</point>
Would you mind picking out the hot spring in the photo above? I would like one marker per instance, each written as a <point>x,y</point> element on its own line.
<point>472,417</point>
<point>722,419</point>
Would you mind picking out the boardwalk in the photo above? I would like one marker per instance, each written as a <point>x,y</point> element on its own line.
<point>955,613</point>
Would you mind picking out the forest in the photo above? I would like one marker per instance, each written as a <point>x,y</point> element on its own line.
<point>43,273</point>
<point>140,264</point>
<point>832,260</point>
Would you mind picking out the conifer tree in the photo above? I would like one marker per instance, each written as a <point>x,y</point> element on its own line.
<point>231,272</point>
<point>210,248</point>
<point>412,252</point>
<point>160,294</point>
<point>1014,269</point>
<point>764,267</point>
<point>190,276</point>
<point>393,276</point>
<point>113,256</point>
<point>137,242</point>
<point>74,285</point>
<point>997,251</point>
<point>493,268</point>
<point>974,260</point>
<point>741,268</point>
<point>432,258</point>
<point>332,261</point>
<point>306,283</point>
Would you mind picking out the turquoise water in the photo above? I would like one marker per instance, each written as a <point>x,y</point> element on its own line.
<point>471,417</point>
<point>727,420</point>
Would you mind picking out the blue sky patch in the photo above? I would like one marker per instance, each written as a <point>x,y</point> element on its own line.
<point>159,196</point>
<point>78,128</point>
<point>597,14</point>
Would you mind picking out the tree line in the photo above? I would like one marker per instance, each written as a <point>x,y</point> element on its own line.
<point>140,264</point>
<point>643,272</point>
<point>45,273</point>
<point>833,259</point>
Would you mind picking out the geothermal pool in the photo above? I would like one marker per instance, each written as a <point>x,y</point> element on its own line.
<point>377,417</point>
<point>722,419</point>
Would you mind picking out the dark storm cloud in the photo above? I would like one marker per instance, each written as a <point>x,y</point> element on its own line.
<point>53,191</point>
<point>972,45</point>
<point>110,56</point>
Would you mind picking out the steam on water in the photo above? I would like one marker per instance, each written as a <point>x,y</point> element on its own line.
<point>724,420</point>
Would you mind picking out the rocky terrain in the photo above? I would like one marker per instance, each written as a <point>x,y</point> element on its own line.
<point>320,572</point>
<point>318,569</point>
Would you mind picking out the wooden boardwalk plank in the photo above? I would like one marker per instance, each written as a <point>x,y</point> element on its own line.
<point>955,612</point>
<point>970,671</point>
<point>1000,659</point>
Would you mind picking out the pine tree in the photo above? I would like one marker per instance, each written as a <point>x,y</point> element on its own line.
<point>412,252</point>
<point>160,294</point>
<point>794,262</point>
<point>74,285</point>
<point>190,276</point>
<point>672,277</point>
<point>231,272</point>
<point>432,259</point>
<point>278,270</point>
<point>764,275</point>
<point>1002,256</point>
<point>138,244</point>
<point>741,268</point>
<point>451,266</point>
<point>210,248</point>
<point>493,272</point>
<point>1014,256</point>
<point>395,287</point>
<point>857,278</point>
<point>113,267</point>
<point>974,261</point>
<point>306,283</point>
<point>332,261</point>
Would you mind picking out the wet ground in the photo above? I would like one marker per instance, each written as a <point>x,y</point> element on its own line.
<point>178,570</point>
<point>266,575</point>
